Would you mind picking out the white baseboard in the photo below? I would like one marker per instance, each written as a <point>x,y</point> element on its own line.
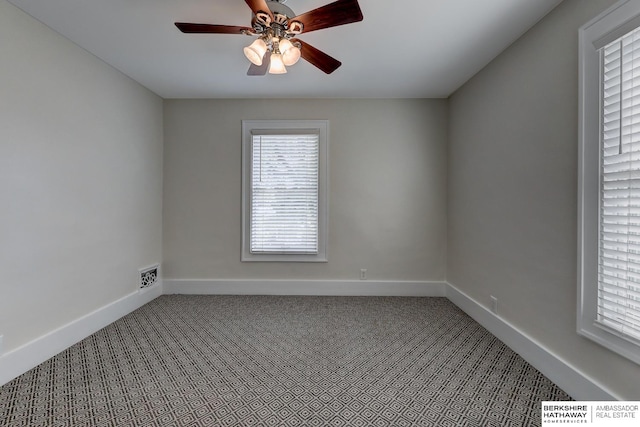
<point>305,287</point>
<point>20,360</point>
<point>578,385</point>
<point>568,378</point>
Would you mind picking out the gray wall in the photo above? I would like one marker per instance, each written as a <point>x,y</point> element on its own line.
<point>386,198</point>
<point>80,180</point>
<point>512,192</point>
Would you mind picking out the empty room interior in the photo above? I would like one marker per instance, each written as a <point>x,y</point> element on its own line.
<point>450,202</point>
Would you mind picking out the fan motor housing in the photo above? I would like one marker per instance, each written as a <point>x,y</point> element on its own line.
<point>278,8</point>
<point>261,21</point>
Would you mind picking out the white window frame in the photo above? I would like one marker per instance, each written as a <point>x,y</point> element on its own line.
<point>613,23</point>
<point>321,127</point>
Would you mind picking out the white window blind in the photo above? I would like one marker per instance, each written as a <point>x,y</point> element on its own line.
<point>619,238</point>
<point>284,194</point>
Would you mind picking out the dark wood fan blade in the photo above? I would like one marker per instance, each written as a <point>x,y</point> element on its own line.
<point>186,27</point>
<point>259,6</point>
<point>260,70</point>
<point>340,12</point>
<point>317,57</point>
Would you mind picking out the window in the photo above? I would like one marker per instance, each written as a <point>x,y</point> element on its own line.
<point>284,190</point>
<point>609,180</point>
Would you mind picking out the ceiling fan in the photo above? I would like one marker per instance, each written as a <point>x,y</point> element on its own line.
<point>277,28</point>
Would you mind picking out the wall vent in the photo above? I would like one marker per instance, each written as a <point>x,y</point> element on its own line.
<point>149,276</point>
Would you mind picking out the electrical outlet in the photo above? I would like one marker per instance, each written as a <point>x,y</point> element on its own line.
<point>494,304</point>
<point>363,274</point>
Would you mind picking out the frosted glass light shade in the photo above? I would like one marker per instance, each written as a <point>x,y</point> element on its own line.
<point>277,66</point>
<point>290,53</point>
<point>255,52</point>
<point>291,56</point>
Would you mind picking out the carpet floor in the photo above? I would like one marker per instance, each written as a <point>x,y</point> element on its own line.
<point>283,361</point>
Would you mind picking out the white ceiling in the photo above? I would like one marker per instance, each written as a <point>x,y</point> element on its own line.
<point>402,48</point>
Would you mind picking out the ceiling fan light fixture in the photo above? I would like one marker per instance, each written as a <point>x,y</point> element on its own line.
<point>277,65</point>
<point>255,51</point>
<point>291,56</point>
<point>284,45</point>
<point>290,53</point>
<point>276,28</point>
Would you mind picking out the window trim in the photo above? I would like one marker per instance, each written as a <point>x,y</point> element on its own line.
<point>286,127</point>
<point>608,26</point>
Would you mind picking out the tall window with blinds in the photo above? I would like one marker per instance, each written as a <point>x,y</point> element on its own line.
<point>284,190</point>
<point>284,193</point>
<point>619,246</point>
<point>608,297</point>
